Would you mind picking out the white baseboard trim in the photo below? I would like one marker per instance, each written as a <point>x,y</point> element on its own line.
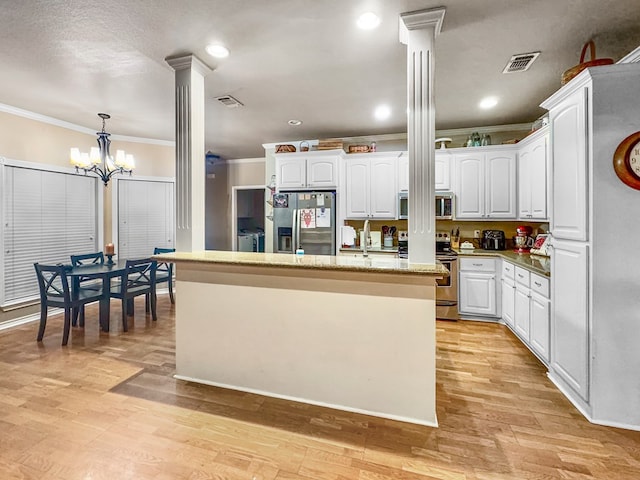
<point>311,402</point>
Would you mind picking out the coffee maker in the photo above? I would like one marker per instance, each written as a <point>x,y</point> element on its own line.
<point>493,240</point>
<point>523,240</point>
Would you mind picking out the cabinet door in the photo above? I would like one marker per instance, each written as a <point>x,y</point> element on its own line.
<point>290,173</point>
<point>403,173</point>
<point>539,338</point>
<point>538,175</point>
<point>470,186</point>
<point>569,171</point>
<point>443,171</point>
<point>508,301</point>
<point>570,314</point>
<point>501,185</point>
<point>357,188</point>
<point>322,172</point>
<point>521,318</point>
<point>383,193</point>
<point>478,293</point>
<point>525,160</point>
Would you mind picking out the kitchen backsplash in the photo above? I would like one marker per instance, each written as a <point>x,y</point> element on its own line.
<point>467,228</point>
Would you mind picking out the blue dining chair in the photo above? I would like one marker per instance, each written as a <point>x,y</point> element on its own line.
<point>55,292</point>
<point>84,260</point>
<point>164,272</point>
<point>139,279</point>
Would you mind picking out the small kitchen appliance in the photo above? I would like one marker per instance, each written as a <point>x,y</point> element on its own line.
<point>403,244</point>
<point>493,240</point>
<point>523,240</point>
<point>446,287</point>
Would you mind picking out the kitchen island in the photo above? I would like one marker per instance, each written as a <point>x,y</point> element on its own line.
<point>350,333</point>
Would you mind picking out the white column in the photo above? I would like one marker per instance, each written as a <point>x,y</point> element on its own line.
<point>418,31</point>
<point>190,162</point>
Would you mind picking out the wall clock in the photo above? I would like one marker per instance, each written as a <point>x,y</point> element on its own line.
<point>626,160</point>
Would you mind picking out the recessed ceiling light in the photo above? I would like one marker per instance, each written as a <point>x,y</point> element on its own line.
<point>382,112</point>
<point>295,123</point>
<point>488,102</point>
<point>217,51</point>
<point>368,21</point>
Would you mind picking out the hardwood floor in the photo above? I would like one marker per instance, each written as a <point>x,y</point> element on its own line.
<point>106,407</point>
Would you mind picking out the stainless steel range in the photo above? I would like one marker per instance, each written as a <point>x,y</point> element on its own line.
<point>446,288</point>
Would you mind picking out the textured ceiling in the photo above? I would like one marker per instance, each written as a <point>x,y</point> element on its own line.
<point>304,59</point>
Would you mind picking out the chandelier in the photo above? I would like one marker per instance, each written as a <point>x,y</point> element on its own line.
<point>99,160</point>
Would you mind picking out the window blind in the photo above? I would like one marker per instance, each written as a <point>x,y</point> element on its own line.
<point>47,216</point>
<point>145,217</point>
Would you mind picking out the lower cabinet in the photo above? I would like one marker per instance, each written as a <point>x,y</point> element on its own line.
<point>478,293</point>
<point>526,308</point>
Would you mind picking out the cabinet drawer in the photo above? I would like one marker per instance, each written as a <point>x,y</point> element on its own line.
<point>522,276</point>
<point>508,270</point>
<point>478,264</point>
<point>540,285</point>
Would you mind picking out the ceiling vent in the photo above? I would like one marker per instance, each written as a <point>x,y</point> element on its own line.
<point>229,102</point>
<point>520,62</point>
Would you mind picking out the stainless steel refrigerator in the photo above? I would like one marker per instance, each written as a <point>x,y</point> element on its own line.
<point>305,220</point>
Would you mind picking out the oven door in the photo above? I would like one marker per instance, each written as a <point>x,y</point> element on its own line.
<point>447,289</point>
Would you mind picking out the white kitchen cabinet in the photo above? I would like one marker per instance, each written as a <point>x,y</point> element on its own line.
<point>540,323</point>
<point>569,196</point>
<point>370,186</point>
<point>477,283</point>
<point>403,173</point>
<point>508,293</point>
<point>443,161</point>
<point>532,176</point>
<point>569,314</point>
<point>485,184</point>
<point>307,170</point>
<point>522,317</point>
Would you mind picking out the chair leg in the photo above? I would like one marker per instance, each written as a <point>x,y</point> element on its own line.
<point>43,322</point>
<point>74,319</point>
<point>125,305</point>
<point>171,291</point>
<point>82,316</point>
<point>152,298</point>
<point>147,302</point>
<point>67,326</point>
<point>130,306</point>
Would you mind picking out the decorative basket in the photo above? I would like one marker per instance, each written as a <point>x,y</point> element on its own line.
<point>573,71</point>
<point>358,148</point>
<point>285,148</point>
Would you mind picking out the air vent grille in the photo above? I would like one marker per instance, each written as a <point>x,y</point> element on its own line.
<point>229,102</point>
<point>520,62</point>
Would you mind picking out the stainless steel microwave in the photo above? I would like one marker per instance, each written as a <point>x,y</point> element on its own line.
<point>444,205</point>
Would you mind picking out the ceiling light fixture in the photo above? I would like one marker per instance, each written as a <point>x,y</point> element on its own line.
<point>217,51</point>
<point>382,112</point>
<point>488,102</point>
<point>368,21</point>
<point>99,160</point>
<point>295,123</point>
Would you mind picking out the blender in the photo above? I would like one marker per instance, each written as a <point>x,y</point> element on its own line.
<point>523,240</point>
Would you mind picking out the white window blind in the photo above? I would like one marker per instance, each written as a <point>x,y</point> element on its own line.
<point>47,216</point>
<point>145,217</point>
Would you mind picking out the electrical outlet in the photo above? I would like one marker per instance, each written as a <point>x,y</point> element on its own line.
<point>476,234</point>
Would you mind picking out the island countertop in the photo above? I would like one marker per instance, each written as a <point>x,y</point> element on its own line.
<point>314,262</point>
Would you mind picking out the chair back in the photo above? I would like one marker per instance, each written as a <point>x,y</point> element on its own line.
<point>141,274</point>
<point>87,259</point>
<point>53,283</point>
<point>164,267</point>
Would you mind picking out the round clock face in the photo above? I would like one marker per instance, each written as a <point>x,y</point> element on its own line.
<point>626,161</point>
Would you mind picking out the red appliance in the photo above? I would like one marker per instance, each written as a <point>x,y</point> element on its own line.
<point>523,240</point>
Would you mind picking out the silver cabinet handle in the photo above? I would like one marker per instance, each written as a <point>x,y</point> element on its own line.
<point>537,284</point>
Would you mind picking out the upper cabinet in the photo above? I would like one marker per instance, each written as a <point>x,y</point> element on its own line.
<point>370,185</point>
<point>307,170</point>
<point>533,161</point>
<point>443,161</point>
<point>485,183</point>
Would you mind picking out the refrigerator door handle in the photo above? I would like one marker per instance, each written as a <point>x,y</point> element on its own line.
<point>297,227</point>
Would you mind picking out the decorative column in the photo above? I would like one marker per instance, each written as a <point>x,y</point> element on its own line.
<point>418,31</point>
<point>190,161</point>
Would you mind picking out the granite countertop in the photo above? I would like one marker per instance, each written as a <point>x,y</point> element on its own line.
<point>535,263</point>
<point>393,250</point>
<point>319,262</point>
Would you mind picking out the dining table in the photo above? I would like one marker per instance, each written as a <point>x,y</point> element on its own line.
<point>105,272</point>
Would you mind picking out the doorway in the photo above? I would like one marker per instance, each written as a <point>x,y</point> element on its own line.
<point>247,216</point>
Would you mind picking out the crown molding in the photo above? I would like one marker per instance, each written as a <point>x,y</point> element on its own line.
<point>183,62</point>
<point>631,57</point>
<point>420,19</point>
<point>77,128</point>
